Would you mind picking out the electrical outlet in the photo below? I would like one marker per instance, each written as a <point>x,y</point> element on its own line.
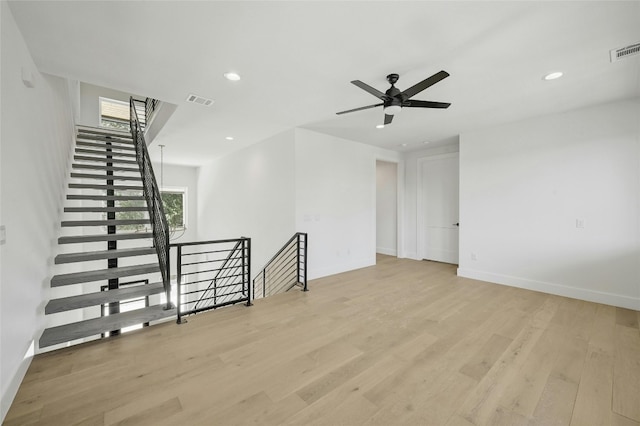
<point>581,223</point>
<point>474,256</point>
<point>3,235</point>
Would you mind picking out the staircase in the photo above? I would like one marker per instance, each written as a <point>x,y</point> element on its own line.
<point>106,251</point>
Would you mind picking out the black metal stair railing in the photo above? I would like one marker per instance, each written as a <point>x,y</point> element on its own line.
<point>212,274</point>
<point>159,224</point>
<point>286,269</point>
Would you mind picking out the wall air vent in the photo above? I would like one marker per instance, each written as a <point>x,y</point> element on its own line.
<point>625,52</point>
<point>199,100</point>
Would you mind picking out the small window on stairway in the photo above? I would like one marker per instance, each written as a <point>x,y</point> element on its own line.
<point>173,202</point>
<point>114,114</point>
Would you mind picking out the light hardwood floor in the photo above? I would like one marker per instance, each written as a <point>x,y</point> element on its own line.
<point>404,342</point>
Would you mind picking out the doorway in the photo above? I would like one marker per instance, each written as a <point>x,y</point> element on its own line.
<point>438,208</point>
<point>386,208</point>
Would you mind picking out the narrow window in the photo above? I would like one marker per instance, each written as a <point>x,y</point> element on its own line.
<point>114,114</point>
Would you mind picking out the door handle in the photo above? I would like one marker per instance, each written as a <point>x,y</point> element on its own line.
<point>457,224</point>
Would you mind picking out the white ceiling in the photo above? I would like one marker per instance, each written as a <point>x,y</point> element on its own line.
<point>297,58</point>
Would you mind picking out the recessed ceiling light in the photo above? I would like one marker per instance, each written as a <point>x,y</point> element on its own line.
<point>403,144</point>
<point>229,138</point>
<point>425,142</point>
<point>231,76</point>
<point>553,75</point>
<point>380,126</point>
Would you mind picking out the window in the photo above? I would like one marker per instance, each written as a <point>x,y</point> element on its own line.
<point>114,114</point>
<point>173,202</point>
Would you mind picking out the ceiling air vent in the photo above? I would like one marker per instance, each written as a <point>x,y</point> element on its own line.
<point>625,52</point>
<point>199,100</point>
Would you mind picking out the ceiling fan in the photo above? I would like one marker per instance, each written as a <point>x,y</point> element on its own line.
<point>393,100</point>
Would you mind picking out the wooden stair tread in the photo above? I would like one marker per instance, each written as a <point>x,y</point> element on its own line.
<point>104,237</point>
<point>92,327</point>
<point>99,145</point>
<point>101,130</point>
<point>101,209</point>
<point>109,222</point>
<point>105,168</point>
<point>103,254</point>
<point>100,177</point>
<point>105,187</point>
<point>103,159</point>
<point>101,297</point>
<point>98,138</point>
<point>104,152</point>
<point>103,274</point>
<point>105,197</point>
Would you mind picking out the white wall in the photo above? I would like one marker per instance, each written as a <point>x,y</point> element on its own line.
<point>523,186</point>
<point>410,247</point>
<point>386,208</point>
<point>335,200</point>
<point>36,135</point>
<point>89,102</point>
<point>250,193</point>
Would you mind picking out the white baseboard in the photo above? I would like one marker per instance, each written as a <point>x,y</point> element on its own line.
<point>552,288</point>
<point>12,388</point>
<point>387,251</point>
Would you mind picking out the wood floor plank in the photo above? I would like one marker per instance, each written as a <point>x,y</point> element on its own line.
<point>403,342</point>
<point>626,373</point>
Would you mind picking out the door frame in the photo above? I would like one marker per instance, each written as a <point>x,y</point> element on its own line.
<point>400,251</point>
<point>421,202</point>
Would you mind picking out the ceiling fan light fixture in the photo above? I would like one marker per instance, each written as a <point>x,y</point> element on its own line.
<point>392,109</point>
<point>232,76</point>
<point>553,75</point>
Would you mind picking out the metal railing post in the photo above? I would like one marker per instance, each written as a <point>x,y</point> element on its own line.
<point>179,291</point>
<point>298,260</point>
<point>306,264</point>
<point>248,277</point>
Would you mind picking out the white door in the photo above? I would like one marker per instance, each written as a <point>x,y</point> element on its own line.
<point>438,189</point>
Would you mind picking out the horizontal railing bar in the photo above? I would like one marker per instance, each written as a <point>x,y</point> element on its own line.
<point>197,243</point>
<point>282,266</point>
<point>208,252</point>
<point>213,297</point>
<point>208,280</point>
<point>205,290</point>
<point>291,250</point>
<point>208,270</point>
<point>212,261</point>
<point>283,248</point>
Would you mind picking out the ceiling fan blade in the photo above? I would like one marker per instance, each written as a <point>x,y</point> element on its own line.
<point>359,109</point>
<point>425,104</point>
<point>387,119</point>
<point>367,88</point>
<point>427,82</point>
